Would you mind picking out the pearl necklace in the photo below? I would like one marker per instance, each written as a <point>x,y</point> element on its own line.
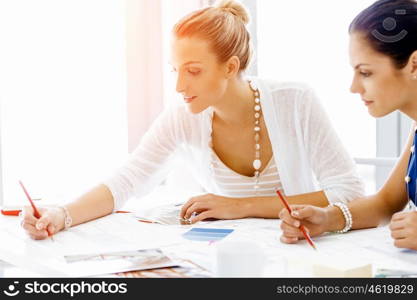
<point>257,163</point>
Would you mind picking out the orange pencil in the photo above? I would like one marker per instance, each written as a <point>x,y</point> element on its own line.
<point>302,228</point>
<point>35,210</point>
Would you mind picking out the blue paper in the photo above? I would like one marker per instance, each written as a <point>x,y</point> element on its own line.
<point>206,234</point>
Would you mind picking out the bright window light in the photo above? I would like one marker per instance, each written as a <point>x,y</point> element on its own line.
<point>307,41</point>
<point>63,92</point>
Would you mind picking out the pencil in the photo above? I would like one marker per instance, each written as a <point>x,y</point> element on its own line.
<point>35,210</point>
<point>302,228</point>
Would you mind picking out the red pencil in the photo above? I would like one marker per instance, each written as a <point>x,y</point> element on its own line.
<point>302,228</point>
<point>35,210</point>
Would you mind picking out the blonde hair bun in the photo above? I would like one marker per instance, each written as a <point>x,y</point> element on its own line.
<point>235,8</point>
<point>223,26</point>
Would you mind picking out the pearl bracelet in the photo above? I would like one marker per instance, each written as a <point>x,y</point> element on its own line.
<point>67,218</point>
<point>346,214</point>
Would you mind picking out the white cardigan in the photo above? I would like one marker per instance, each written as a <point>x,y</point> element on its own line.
<point>307,151</point>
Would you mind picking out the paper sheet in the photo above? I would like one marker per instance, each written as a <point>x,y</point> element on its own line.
<point>122,261</point>
<point>168,214</point>
<point>373,246</point>
<point>116,232</point>
<point>122,232</point>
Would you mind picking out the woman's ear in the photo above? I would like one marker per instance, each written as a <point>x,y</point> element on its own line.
<point>232,66</point>
<point>413,64</point>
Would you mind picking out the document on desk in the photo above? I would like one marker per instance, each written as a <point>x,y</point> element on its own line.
<point>122,261</point>
<point>373,246</point>
<point>116,232</point>
<point>382,243</point>
<point>167,214</point>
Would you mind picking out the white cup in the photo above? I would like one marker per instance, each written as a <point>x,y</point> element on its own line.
<point>239,259</point>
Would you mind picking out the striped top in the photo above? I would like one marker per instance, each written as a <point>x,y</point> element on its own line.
<point>235,185</point>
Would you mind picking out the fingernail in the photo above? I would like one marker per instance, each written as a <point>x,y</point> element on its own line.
<point>39,226</point>
<point>297,224</point>
<point>295,213</point>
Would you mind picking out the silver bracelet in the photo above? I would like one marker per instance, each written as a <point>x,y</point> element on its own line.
<point>67,218</point>
<point>346,214</point>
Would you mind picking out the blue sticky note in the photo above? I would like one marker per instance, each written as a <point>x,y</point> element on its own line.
<point>206,234</point>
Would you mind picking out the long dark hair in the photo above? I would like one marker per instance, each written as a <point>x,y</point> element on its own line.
<point>390,26</point>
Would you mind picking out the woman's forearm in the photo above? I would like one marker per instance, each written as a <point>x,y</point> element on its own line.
<point>94,204</point>
<point>269,207</point>
<point>367,212</point>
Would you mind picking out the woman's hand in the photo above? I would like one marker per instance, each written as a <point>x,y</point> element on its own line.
<point>52,219</point>
<point>312,217</point>
<point>212,206</point>
<point>403,228</point>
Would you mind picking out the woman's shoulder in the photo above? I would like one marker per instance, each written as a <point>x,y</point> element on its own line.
<point>278,87</point>
<point>287,91</point>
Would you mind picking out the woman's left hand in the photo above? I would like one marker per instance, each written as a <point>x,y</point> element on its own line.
<point>403,228</point>
<point>212,206</point>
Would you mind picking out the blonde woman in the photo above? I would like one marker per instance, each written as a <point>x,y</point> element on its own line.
<point>385,66</point>
<point>242,137</point>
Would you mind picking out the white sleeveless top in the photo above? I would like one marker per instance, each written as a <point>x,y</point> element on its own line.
<point>235,185</point>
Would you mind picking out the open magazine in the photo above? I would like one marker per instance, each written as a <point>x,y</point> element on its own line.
<point>112,262</point>
<point>167,214</point>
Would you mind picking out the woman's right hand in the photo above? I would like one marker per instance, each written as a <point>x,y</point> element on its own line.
<point>313,218</point>
<point>51,220</point>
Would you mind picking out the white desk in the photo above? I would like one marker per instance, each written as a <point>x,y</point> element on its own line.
<point>373,245</point>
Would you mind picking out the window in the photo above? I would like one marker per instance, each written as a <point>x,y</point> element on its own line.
<point>307,41</point>
<point>63,95</point>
